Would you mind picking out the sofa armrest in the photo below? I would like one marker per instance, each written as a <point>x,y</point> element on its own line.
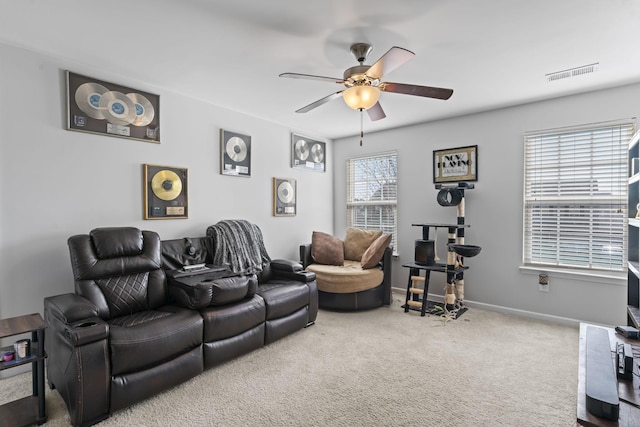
<point>285,265</point>
<point>305,255</point>
<point>75,318</point>
<point>78,365</point>
<point>70,308</point>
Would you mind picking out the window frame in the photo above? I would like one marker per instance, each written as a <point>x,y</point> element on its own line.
<point>617,200</point>
<point>352,203</point>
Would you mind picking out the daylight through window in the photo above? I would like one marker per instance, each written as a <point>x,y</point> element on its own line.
<point>372,194</point>
<point>575,197</point>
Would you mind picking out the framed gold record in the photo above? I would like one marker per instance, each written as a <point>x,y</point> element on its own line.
<point>165,192</point>
<point>307,153</point>
<point>284,197</point>
<point>235,154</point>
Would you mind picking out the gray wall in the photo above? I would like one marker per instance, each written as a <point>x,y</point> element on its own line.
<point>56,183</point>
<point>494,207</point>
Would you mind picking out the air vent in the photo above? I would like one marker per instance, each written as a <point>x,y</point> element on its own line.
<point>573,72</point>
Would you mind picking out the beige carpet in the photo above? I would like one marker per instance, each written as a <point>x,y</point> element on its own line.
<point>375,368</point>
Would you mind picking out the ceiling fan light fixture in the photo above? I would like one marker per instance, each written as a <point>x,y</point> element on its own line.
<point>361,97</point>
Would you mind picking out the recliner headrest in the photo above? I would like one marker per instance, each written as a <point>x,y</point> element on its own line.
<point>116,242</point>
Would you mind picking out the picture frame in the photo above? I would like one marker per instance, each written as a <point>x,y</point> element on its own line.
<point>308,153</point>
<point>455,164</point>
<point>166,194</point>
<point>284,197</point>
<point>235,154</point>
<point>100,107</point>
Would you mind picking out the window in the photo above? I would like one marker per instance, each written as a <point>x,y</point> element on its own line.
<point>372,194</point>
<point>575,197</point>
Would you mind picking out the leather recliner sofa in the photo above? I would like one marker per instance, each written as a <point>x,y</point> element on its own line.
<point>123,336</point>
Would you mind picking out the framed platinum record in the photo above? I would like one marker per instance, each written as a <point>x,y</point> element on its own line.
<point>307,153</point>
<point>96,106</point>
<point>235,154</point>
<point>284,197</point>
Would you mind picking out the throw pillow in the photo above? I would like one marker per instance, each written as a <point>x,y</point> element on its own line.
<point>357,241</point>
<point>374,253</point>
<point>326,249</point>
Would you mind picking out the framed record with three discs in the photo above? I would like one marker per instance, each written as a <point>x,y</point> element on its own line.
<point>165,192</point>
<point>284,197</point>
<point>307,153</point>
<point>97,106</point>
<point>235,154</point>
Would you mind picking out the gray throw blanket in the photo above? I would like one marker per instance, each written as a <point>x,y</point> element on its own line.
<point>239,244</point>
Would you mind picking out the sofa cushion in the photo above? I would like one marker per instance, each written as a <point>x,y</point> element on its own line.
<point>149,338</point>
<point>350,277</point>
<point>112,242</point>
<point>375,251</point>
<point>283,297</point>
<point>357,241</point>
<point>222,322</point>
<point>326,249</point>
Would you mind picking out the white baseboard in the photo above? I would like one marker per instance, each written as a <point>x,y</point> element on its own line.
<point>500,309</point>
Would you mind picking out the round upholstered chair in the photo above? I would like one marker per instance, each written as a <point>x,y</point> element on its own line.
<point>352,274</point>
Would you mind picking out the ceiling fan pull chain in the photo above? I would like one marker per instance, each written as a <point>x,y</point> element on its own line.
<point>361,126</point>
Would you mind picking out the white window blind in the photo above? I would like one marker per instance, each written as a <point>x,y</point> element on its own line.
<point>372,193</point>
<point>575,197</point>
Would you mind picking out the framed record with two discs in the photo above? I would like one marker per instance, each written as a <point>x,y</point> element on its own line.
<point>284,197</point>
<point>165,192</point>
<point>307,153</point>
<point>235,154</point>
<point>97,106</point>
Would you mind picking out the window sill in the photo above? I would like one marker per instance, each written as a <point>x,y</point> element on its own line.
<point>610,278</point>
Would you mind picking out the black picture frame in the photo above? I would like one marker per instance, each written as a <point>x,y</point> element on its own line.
<point>100,107</point>
<point>455,164</point>
<point>166,192</point>
<point>308,153</point>
<point>235,154</point>
<point>285,197</point>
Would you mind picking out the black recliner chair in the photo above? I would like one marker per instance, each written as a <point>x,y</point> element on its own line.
<point>117,340</point>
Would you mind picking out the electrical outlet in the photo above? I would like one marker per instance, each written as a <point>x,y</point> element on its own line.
<point>543,288</point>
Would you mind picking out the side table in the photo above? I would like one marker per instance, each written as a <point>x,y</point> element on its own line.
<point>30,409</point>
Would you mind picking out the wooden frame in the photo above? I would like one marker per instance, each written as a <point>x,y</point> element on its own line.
<point>455,164</point>
<point>165,192</point>
<point>307,153</point>
<point>96,106</point>
<point>284,197</point>
<point>235,154</point>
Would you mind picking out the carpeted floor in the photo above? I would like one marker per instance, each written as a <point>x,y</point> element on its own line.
<point>375,368</point>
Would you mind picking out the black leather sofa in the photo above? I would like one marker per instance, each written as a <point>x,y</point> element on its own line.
<point>127,333</point>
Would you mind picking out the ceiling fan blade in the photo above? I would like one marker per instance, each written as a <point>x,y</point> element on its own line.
<point>319,102</point>
<point>376,112</point>
<point>395,57</point>
<point>426,91</point>
<point>312,77</point>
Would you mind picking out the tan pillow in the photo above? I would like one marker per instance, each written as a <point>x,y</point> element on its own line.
<point>326,249</point>
<point>374,253</point>
<point>357,241</point>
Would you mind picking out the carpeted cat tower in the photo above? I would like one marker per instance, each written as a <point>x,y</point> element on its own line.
<point>426,259</point>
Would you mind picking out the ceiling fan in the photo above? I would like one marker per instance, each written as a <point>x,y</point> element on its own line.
<point>363,85</point>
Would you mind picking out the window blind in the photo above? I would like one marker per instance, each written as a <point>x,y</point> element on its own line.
<point>372,193</point>
<point>575,197</point>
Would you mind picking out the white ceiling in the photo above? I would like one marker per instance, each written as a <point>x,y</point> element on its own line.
<point>493,53</point>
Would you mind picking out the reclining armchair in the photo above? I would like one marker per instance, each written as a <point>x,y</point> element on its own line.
<point>117,339</point>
